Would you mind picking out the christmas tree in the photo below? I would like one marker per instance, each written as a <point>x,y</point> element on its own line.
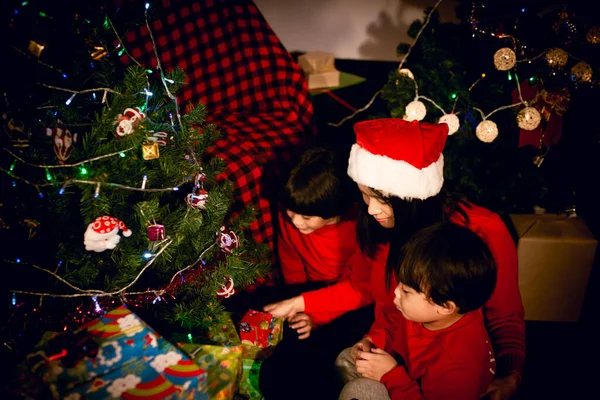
<point>107,195</point>
<point>503,77</point>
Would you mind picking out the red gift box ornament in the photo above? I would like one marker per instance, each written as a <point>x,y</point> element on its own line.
<point>227,240</point>
<point>62,140</point>
<point>156,232</point>
<point>256,328</point>
<point>197,199</point>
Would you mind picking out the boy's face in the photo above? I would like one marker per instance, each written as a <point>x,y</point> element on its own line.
<point>414,306</point>
<point>308,224</point>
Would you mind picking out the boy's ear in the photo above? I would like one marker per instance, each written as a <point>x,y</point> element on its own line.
<point>448,308</point>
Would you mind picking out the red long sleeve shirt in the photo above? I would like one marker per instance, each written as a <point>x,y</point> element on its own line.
<point>452,363</point>
<point>503,313</point>
<point>325,255</point>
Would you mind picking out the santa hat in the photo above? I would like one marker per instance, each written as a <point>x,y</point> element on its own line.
<point>398,157</point>
<point>106,226</point>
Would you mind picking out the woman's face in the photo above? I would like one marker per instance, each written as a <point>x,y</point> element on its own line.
<point>378,209</point>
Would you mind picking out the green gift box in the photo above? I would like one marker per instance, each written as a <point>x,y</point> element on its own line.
<point>249,382</point>
<point>223,331</point>
<point>223,365</point>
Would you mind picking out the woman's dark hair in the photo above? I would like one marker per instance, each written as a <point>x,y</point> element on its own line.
<point>410,216</point>
<point>318,185</point>
<point>448,262</point>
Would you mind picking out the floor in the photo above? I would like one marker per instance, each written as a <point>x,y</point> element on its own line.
<point>562,357</point>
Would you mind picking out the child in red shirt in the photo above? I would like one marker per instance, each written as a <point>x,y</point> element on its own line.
<point>439,348</point>
<point>317,228</point>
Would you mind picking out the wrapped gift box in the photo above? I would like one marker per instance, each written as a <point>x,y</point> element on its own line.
<point>250,379</point>
<point>319,69</point>
<point>256,328</point>
<point>223,366</point>
<point>556,254</point>
<point>223,331</point>
<point>117,356</point>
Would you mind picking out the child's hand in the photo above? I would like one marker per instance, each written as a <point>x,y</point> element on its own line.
<point>365,345</point>
<point>375,364</point>
<point>286,308</point>
<point>303,324</point>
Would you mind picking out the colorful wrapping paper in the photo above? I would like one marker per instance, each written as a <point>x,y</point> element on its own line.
<point>249,383</point>
<point>129,361</point>
<point>223,365</point>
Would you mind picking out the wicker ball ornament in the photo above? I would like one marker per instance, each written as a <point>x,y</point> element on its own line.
<point>505,59</point>
<point>406,72</point>
<point>487,131</point>
<point>452,121</point>
<point>528,118</point>
<point>582,72</point>
<point>557,57</point>
<point>415,111</point>
<point>593,35</point>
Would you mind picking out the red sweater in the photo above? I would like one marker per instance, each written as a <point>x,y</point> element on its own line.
<point>504,314</point>
<point>453,363</point>
<point>325,255</point>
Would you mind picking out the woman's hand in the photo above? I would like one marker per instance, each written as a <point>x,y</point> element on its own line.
<point>303,325</point>
<point>286,308</point>
<point>375,364</point>
<point>365,344</point>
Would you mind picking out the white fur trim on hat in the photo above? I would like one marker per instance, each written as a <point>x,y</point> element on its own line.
<point>395,177</point>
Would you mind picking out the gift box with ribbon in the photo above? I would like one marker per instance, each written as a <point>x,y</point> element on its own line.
<point>319,69</point>
<point>116,356</point>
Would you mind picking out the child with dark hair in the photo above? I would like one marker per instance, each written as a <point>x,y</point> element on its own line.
<point>440,348</point>
<point>317,228</point>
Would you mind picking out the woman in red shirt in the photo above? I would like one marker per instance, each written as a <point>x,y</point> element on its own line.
<point>398,166</point>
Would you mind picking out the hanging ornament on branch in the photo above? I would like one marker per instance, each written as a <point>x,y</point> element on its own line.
<point>505,59</point>
<point>581,72</point>
<point>150,151</point>
<point>197,199</point>
<point>593,35</point>
<point>557,58</point>
<point>127,121</point>
<point>227,289</point>
<point>103,234</point>
<point>487,131</point>
<point>156,232</point>
<point>415,111</point>
<point>227,240</point>
<point>528,118</point>
<point>63,141</point>
<point>452,121</point>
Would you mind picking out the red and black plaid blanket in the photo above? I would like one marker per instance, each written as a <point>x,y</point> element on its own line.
<point>252,88</point>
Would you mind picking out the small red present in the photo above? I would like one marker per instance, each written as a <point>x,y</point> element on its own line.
<point>256,328</point>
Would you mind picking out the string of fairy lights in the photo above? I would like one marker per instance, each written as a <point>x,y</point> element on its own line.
<point>158,247</point>
<point>505,59</point>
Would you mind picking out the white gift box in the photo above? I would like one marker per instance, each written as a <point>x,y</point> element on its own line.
<point>319,70</point>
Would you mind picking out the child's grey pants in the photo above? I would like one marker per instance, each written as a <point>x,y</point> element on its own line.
<point>357,387</point>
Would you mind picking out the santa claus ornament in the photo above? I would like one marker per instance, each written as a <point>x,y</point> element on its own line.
<point>63,141</point>
<point>103,234</point>
<point>227,240</point>
<point>197,199</point>
<point>127,121</point>
<point>227,289</point>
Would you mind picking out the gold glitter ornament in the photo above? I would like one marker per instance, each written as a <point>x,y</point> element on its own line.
<point>487,131</point>
<point>150,151</point>
<point>557,57</point>
<point>593,35</point>
<point>415,111</point>
<point>582,72</point>
<point>528,118</point>
<point>505,59</point>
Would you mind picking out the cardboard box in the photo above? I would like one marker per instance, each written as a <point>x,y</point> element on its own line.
<point>556,254</point>
<point>319,69</point>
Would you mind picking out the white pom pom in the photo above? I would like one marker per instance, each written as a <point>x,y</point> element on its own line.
<point>415,110</point>
<point>127,233</point>
<point>452,121</point>
<point>528,118</point>
<point>487,131</point>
